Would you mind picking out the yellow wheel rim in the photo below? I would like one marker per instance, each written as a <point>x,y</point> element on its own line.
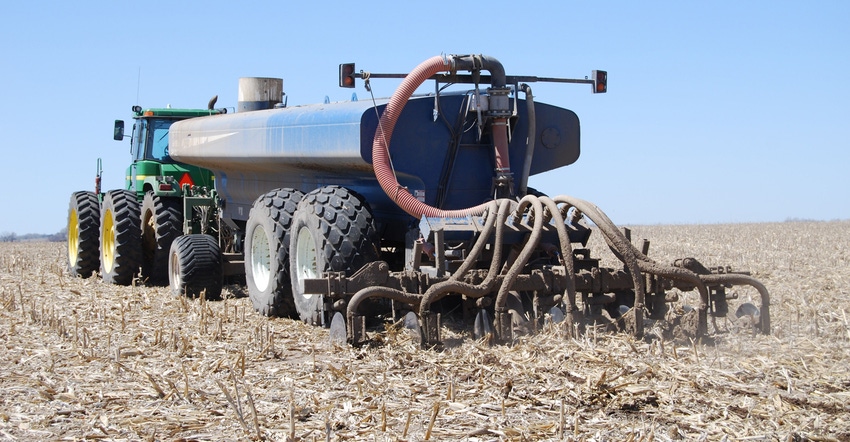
<point>108,241</point>
<point>73,237</point>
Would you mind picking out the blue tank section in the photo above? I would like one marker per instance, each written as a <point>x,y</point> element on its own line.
<point>443,160</point>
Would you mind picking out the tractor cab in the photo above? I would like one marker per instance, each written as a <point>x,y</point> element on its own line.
<point>149,140</point>
<point>152,168</point>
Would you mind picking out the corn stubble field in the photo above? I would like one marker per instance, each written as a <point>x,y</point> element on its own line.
<point>86,360</point>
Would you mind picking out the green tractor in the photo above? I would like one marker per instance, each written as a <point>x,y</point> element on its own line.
<point>128,232</point>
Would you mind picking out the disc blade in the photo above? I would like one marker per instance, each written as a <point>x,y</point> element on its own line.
<point>556,316</point>
<point>482,325</point>
<point>411,323</point>
<point>338,333</point>
<point>747,309</point>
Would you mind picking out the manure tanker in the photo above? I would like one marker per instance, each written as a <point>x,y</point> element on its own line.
<point>417,207</point>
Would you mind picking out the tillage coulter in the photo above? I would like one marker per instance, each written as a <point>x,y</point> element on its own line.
<point>415,206</point>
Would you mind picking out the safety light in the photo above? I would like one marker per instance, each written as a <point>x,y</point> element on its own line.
<point>346,75</point>
<point>600,82</point>
<point>148,113</point>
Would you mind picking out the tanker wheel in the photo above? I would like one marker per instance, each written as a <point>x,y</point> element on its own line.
<point>333,231</point>
<point>267,252</point>
<point>161,223</point>
<point>83,234</point>
<point>120,237</point>
<point>194,266</point>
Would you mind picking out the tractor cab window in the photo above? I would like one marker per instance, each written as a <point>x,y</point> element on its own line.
<point>150,140</point>
<point>159,139</point>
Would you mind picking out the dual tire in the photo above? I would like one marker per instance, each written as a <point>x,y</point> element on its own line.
<point>120,237</point>
<point>291,236</point>
<point>101,238</point>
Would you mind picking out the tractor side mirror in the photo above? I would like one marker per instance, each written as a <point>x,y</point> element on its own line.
<point>119,130</point>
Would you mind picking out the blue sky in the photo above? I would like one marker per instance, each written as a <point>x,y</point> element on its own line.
<point>717,112</point>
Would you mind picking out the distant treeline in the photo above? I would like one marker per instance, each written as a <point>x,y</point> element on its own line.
<point>809,220</point>
<point>59,236</point>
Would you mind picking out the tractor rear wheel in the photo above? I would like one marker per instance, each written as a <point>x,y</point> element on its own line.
<point>161,223</point>
<point>120,237</point>
<point>83,234</point>
<point>333,231</point>
<point>267,252</point>
<point>194,266</point>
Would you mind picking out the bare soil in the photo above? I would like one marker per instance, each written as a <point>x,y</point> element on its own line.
<point>87,360</point>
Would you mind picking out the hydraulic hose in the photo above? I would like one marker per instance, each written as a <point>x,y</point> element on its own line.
<point>380,146</point>
<point>566,252</point>
<point>441,289</point>
<point>483,237</point>
<point>649,265</point>
<point>527,250</point>
<point>414,300</point>
<point>410,299</point>
<point>617,240</point>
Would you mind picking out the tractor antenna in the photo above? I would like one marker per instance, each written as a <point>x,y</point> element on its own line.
<point>138,84</point>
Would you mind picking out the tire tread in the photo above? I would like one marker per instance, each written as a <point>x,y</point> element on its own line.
<point>87,207</point>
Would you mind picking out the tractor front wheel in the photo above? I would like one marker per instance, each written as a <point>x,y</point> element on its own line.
<point>83,234</point>
<point>120,237</point>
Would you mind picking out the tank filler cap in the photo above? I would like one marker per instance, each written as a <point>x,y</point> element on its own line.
<point>259,93</point>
